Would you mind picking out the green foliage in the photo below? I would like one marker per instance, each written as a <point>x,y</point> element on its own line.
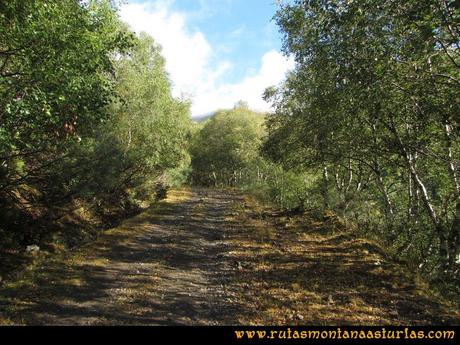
<point>290,190</point>
<point>225,150</point>
<point>55,57</point>
<point>371,110</point>
<point>86,113</point>
<point>152,126</point>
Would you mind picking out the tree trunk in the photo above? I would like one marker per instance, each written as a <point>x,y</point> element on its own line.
<point>439,226</point>
<point>454,237</point>
<point>325,188</point>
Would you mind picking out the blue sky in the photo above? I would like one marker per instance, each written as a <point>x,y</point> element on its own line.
<point>241,30</point>
<point>217,51</point>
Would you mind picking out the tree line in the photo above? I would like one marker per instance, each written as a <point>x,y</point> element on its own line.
<point>366,125</point>
<point>86,116</point>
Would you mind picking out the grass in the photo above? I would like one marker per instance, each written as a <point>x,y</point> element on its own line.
<point>314,272</point>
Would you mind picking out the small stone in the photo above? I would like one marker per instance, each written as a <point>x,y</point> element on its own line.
<point>394,313</point>
<point>299,317</point>
<point>32,249</point>
<point>330,300</point>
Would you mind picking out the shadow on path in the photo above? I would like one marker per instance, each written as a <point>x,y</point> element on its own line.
<point>207,257</point>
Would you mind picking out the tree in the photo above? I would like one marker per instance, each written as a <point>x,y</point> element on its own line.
<point>225,150</point>
<point>151,124</point>
<point>56,62</point>
<point>371,107</point>
<point>86,116</point>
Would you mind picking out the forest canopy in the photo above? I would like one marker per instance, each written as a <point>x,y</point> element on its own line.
<point>86,116</point>
<point>366,126</point>
<point>225,148</point>
<point>372,108</point>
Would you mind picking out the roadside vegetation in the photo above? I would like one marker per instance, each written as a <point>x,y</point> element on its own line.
<point>88,126</point>
<point>365,127</point>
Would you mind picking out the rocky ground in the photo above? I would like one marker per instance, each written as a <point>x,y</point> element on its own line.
<point>216,257</point>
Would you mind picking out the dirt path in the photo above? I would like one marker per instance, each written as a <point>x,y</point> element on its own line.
<point>209,257</point>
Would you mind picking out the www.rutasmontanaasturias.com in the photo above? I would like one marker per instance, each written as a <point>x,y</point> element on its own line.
<point>339,333</point>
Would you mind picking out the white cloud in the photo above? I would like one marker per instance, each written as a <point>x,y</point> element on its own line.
<point>187,54</point>
<point>272,72</point>
<point>192,66</point>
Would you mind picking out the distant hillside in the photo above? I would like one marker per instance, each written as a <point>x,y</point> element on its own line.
<point>203,118</point>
